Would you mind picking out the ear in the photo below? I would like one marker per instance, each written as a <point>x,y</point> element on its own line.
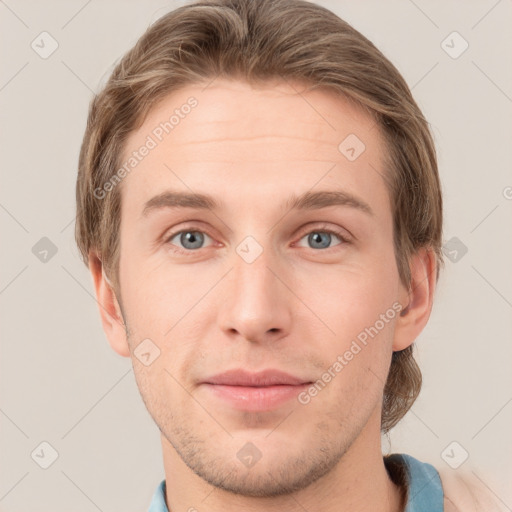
<point>110,312</point>
<point>417,301</point>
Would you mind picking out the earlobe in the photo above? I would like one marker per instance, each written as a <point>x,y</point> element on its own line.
<point>418,300</point>
<point>110,312</point>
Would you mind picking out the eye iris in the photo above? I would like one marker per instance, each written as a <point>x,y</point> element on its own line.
<point>317,236</point>
<point>192,237</point>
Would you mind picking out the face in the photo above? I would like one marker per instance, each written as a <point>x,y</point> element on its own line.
<point>289,266</point>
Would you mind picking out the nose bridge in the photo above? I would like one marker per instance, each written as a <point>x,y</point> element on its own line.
<point>252,264</point>
<point>256,304</point>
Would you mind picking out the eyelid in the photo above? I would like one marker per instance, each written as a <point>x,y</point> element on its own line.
<point>345,235</point>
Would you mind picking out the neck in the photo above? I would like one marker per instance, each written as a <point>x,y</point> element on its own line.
<point>358,483</point>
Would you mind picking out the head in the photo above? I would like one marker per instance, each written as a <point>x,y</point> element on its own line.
<point>255,103</point>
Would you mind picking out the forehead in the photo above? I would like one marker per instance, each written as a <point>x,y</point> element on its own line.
<point>246,143</point>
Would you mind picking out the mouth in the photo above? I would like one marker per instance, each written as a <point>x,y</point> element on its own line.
<point>255,398</point>
<point>262,391</point>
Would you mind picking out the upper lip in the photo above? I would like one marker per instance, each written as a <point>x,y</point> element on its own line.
<point>269,377</point>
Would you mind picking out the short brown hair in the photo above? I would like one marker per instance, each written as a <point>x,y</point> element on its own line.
<point>258,41</point>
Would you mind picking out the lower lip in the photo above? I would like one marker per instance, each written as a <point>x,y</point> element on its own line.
<point>256,398</point>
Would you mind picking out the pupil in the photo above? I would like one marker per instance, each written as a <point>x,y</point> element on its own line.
<point>317,238</point>
<point>191,238</point>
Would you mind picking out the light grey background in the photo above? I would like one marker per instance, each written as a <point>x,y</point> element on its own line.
<point>60,381</point>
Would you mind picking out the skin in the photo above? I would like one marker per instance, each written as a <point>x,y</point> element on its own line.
<point>295,308</point>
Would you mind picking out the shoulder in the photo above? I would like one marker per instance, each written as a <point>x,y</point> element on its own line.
<point>444,489</point>
<point>465,492</point>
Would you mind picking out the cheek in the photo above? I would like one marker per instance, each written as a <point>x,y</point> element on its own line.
<point>348,299</point>
<point>156,297</point>
<point>359,308</point>
<point>158,390</point>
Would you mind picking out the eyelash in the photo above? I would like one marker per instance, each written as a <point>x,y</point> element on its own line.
<point>319,229</point>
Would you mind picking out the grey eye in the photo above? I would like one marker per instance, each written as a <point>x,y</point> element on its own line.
<point>189,239</point>
<point>320,239</point>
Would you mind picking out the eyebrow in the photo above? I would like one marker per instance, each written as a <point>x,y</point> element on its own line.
<point>307,201</point>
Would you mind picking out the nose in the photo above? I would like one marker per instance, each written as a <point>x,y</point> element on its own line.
<point>256,303</point>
